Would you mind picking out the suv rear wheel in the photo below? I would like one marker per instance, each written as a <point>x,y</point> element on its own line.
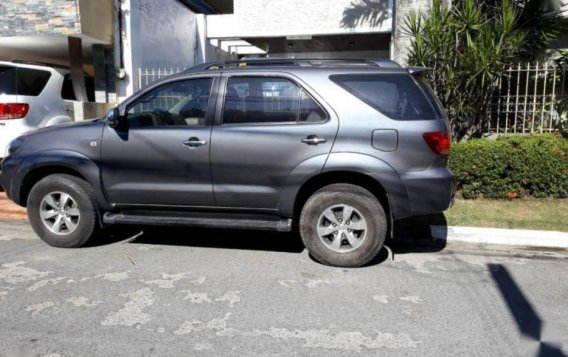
<point>343,225</point>
<point>62,211</point>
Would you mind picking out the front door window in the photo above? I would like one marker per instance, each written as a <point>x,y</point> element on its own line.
<point>182,103</point>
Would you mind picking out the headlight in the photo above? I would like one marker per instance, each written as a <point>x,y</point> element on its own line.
<point>14,146</point>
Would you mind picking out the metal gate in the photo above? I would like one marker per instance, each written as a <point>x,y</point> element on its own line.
<point>526,98</point>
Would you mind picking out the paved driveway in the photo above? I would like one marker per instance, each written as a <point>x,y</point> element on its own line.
<point>212,293</point>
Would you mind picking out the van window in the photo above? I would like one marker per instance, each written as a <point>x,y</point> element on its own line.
<point>68,93</point>
<point>397,96</point>
<point>7,80</point>
<point>22,81</point>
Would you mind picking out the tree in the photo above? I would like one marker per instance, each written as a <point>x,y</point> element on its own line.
<point>468,47</point>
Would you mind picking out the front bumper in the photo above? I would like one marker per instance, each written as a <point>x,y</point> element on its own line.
<point>8,169</point>
<point>10,130</point>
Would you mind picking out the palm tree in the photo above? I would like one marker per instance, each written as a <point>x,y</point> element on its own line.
<point>469,45</point>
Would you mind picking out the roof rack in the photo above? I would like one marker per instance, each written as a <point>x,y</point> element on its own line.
<point>303,62</point>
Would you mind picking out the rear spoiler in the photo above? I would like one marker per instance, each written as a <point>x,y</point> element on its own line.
<point>418,71</point>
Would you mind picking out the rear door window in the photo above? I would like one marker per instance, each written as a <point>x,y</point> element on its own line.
<point>397,96</point>
<point>22,81</point>
<point>269,100</point>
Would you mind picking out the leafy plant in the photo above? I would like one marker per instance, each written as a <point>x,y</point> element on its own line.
<point>514,166</point>
<point>561,107</point>
<point>468,47</point>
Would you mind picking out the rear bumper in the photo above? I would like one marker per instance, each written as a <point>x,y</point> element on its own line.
<point>430,191</point>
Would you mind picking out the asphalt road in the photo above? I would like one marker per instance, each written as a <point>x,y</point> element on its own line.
<point>213,293</point>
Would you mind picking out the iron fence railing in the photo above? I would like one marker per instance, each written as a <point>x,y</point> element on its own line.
<point>526,98</point>
<point>525,101</point>
<point>147,76</point>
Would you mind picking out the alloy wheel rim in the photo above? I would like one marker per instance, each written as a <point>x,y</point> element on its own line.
<point>59,213</point>
<point>342,228</point>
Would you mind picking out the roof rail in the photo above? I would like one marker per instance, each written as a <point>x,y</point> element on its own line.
<point>300,62</point>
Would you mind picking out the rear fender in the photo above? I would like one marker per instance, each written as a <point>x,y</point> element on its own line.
<point>367,165</point>
<point>377,169</point>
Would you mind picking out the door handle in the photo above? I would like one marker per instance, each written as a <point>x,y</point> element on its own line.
<point>314,140</point>
<point>194,142</point>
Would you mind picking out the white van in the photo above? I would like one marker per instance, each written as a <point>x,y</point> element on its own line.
<point>31,97</point>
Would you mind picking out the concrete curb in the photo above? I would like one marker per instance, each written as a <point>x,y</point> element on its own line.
<point>523,237</point>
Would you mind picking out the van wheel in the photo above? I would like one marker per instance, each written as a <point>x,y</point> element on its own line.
<point>62,211</point>
<point>343,225</point>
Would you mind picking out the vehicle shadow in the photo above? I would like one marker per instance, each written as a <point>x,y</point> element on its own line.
<point>412,235</point>
<point>205,238</point>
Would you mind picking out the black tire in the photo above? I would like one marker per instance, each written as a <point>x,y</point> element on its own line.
<point>360,199</point>
<point>82,193</point>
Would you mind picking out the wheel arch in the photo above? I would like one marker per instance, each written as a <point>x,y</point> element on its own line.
<point>54,162</point>
<point>347,177</point>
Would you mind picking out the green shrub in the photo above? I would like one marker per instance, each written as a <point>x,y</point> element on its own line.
<point>512,167</point>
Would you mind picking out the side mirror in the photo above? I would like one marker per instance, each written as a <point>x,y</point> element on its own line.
<point>113,118</point>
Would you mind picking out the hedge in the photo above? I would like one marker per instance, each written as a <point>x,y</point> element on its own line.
<point>512,166</point>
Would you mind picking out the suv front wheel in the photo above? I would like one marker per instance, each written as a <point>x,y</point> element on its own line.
<point>343,225</point>
<point>62,211</point>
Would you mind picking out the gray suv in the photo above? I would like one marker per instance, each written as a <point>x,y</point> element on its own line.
<point>338,148</point>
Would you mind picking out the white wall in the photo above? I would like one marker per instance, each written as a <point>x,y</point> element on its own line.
<point>333,54</point>
<point>161,34</point>
<point>154,34</point>
<point>167,34</point>
<point>273,18</point>
<point>401,41</point>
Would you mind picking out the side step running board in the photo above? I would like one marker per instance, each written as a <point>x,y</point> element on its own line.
<point>282,225</point>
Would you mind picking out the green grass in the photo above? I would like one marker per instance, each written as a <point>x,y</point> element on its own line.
<point>541,214</point>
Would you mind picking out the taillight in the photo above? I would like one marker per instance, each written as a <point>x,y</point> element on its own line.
<point>13,110</point>
<point>439,142</point>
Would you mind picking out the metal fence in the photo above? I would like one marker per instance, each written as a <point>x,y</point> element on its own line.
<point>147,76</point>
<point>525,101</point>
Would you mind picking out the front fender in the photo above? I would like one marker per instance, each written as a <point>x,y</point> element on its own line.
<point>61,158</point>
<point>61,119</point>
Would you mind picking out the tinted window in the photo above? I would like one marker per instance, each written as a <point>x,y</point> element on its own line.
<point>260,100</point>
<point>180,103</point>
<point>395,95</point>
<point>310,111</point>
<point>8,80</point>
<point>23,81</point>
<point>68,93</point>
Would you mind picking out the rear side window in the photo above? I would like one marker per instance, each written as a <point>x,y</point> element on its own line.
<point>68,92</point>
<point>264,100</point>
<point>7,80</point>
<point>397,96</point>
<point>22,81</point>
